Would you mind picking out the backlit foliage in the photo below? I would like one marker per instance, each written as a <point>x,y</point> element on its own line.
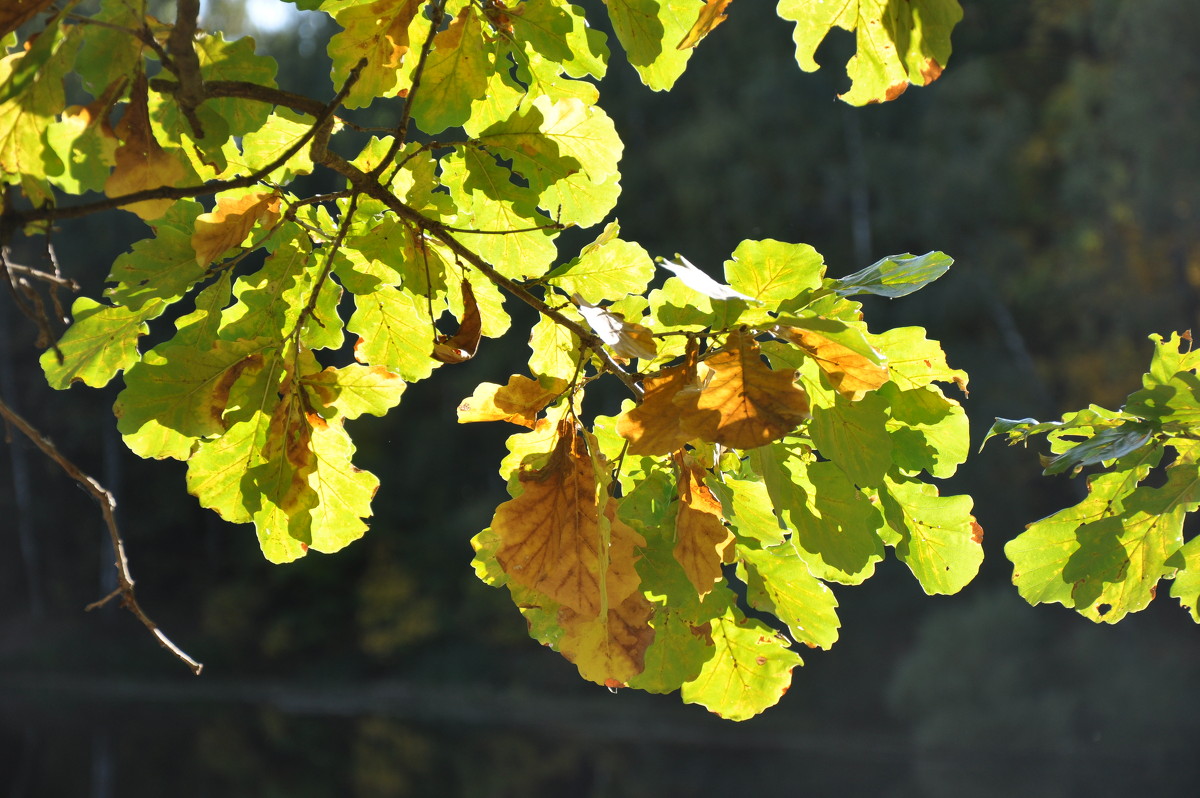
<point>769,437</point>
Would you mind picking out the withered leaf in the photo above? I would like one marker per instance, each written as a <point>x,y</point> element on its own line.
<point>627,339</point>
<point>653,426</point>
<point>228,224</point>
<point>550,533</point>
<point>518,401</point>
<point>461,346</point>
<point>140,162</point>
<point>739,401</point>
<point>16,13</point>
<point>712,15</point>
<point>851,373</point>
<point>702,541</point>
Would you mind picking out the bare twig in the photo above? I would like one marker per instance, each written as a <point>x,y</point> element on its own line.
<point>124,589</point>
<point>38,274</point>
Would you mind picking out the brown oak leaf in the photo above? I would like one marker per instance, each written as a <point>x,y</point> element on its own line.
<point>739,401</point>
<point>653,426</point>
<point>140,162</point>
<point>550,533</point>
<point>702,541</point>
<point>611,649</point>
<point>850,373</point>
<point>518,401</point>
<point>461,346</point>
<point>712,15</point>
<point>228,224</point>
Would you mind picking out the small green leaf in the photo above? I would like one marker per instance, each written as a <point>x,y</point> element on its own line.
<point>774,272</point>
<point>1108,444</point>
<point>649,30</point>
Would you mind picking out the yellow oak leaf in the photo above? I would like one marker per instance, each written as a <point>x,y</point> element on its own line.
<point>518,401</point>
<point>550,533</point>
<point>851,373</point>
<point>609,649</point>
<point>712,15</point>
<point>653,426</point>
<point>739,401</point>
<point>141,163</point>
<point>702,541</point>
<point>228,224</point>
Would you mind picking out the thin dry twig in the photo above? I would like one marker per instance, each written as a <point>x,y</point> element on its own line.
<point>124,589</point>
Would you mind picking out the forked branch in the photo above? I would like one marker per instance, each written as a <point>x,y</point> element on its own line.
<point>97,491</point>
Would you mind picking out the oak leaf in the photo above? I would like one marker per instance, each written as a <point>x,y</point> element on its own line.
<point>739,401</point>
<point>712,15</point>
<point>518,401</point>
<point>140,162</point>
<point>702,541</point>
<point>850,373</point>
<point>550,534</point>
<point>461,346</point>
<point>609,649</point>
<point>653,426</point>
<point>228,224</point>
<point>14,15</point>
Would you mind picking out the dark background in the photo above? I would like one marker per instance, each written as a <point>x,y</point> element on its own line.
<point>1056,160</point>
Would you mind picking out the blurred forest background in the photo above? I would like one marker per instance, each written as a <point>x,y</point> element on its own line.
<point>1057,159</point>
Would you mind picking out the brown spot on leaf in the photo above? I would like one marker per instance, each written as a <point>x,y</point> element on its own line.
<point>931,71</point>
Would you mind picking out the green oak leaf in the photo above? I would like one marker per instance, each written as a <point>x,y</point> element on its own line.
<point>163,267</point>
<point>750,671</point>
<point>935,536</point>
<point>555,350</point>
<point>1040,554</point>
<point>778,582</point>
<point>26,158</point>
<point>898,43</point>
<point>455,74</point>
<point>343,492</point>
<point>101,341</point>
<point>1186,586</point>
<point>560,33</point>
<point>677,655</point>
<point>915,361</point>
<point>748,509</point>
<point>354,390</point>
<point>281,130</point>
<point>1106,444</point>
<point>854,436</point>
<point>395,332</point>
<point>177,394</point>
<point>928,431</point>
<point>649,30</point>
<point>774,272</point>
<point>606,269</point>
<point>109,53</point>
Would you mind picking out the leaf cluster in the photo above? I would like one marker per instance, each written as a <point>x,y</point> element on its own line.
<point>771,439</point>
<point>1105,556</point>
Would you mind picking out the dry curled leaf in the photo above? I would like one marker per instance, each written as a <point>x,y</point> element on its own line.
<point>712,15</point>
<point>462,345</point>
<point>626,339</point>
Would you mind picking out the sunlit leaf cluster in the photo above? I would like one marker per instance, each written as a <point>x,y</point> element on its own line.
<point>770,445</point>
<point>1105,556</point>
